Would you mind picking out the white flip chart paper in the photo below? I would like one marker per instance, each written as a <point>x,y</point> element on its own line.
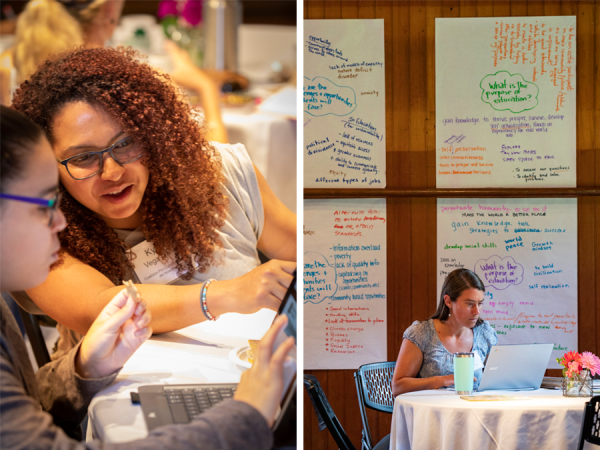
<point>344,104</point>
<point>344,283</point>
<point>505,102</point>
<point>525,252</point>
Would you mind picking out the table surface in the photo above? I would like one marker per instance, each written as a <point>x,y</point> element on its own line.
<point>197,354</point>
<point>270,140</point>
<point>441,419</point>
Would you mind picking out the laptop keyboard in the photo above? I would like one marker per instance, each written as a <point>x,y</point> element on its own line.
<point>188,403</point>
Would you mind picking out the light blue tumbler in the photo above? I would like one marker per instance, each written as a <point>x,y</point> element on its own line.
<point>463,373</point>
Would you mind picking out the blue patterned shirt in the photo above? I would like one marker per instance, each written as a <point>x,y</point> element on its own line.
<point>439,361</point>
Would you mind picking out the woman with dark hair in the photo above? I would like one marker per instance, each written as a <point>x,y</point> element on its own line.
<point>425,360</point>
<point>43,410</point>
<point>139,178</point>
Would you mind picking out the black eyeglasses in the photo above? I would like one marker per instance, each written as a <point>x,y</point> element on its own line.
<point>86,165</point>
<point>52,205</point>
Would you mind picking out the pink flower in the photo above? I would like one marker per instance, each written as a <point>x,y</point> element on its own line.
<point>167,8</point>
<point>573,369</point>
<point>591,362</point>
<point>192,12</point>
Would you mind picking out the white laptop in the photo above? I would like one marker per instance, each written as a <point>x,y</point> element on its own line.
<point>515,367</point>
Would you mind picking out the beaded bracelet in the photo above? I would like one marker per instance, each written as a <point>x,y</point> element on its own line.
<point>205,310</point>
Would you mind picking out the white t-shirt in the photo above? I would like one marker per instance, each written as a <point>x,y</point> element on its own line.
<point>244,221</point>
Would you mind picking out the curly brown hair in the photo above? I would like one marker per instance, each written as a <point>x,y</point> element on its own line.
<point>183,206</point>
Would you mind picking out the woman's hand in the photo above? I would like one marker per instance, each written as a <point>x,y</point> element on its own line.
<point>118,331</point>
<point>445,381</point>
<point>261,386</point>
<point>263,287</point>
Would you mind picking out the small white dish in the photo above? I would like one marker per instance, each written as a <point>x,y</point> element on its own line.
<point>239,356</point>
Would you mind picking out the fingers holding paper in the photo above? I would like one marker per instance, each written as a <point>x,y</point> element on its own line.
<point>118,331</point>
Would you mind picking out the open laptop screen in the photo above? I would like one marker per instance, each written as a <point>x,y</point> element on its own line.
<point>515,367</point>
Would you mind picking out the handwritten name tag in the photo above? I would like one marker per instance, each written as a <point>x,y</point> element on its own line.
<point>149,269</point>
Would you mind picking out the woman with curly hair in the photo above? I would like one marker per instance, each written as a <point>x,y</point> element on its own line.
<point>140,178</point>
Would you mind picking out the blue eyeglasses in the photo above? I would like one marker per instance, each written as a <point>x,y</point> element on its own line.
<point>52,205</point>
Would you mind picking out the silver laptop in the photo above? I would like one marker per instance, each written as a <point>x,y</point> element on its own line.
<point>515,367</point>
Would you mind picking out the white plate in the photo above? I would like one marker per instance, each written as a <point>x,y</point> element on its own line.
<point>239,356</point>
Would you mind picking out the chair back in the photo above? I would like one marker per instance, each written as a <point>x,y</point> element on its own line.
<point>590,425</point>
<point>325,415</point>
<point>374,389</point>
<point>376,383</point>
<point>31,324</point>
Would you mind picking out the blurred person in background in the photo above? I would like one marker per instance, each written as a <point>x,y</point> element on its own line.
<point>47,27</point>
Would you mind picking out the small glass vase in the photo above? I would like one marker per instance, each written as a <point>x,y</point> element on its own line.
<point>581,386</point>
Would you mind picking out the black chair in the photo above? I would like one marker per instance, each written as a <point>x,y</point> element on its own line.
<point>590,425</point>
<point>374,389</point>
<point>325,414</point>
<point>36,338</point>
<point>31,323</point>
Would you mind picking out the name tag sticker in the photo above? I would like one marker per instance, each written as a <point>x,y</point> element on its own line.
<point>477,363</point>
<point>149,269</point>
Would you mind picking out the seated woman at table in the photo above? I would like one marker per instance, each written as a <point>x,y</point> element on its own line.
<point>44,410</point>
<point>135,168</point>
<point>425,360</point>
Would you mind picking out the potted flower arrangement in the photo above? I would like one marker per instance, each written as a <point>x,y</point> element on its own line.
<point>578,369</point>
<point>182,22</point>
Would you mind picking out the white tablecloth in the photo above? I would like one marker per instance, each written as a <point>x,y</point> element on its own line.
<point>193,355</point>
<point>441,420</point>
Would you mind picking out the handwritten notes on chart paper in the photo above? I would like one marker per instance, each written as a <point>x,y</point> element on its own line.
<point>525,252</point>
<point>505,102</point>
<point>344,104</point>
<point>344,283</point>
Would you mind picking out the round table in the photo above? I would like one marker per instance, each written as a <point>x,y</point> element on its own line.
<point>439,419</point>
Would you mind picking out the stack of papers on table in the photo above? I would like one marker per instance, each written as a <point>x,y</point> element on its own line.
<point>552,383</point>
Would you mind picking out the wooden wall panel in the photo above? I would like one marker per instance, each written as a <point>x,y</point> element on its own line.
<point>535,8</point>
<point>596,275</point>
<point>596,112</point>
<point>409,35</point>
<point>332,9</point>
<point>585,98</point>
<point>396,101</point>
<point>350,9</point>
<point>486,8</point>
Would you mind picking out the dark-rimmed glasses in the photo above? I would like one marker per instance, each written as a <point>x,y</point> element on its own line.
<point>86,165</point>
<point>52,205</point>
